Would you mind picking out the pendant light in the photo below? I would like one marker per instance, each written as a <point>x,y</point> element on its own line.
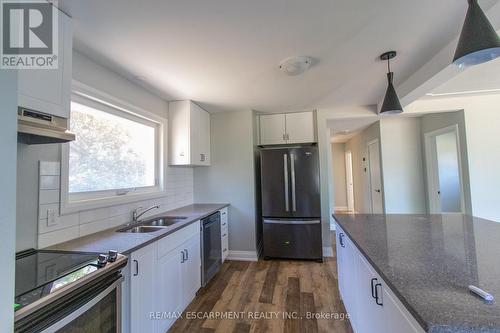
<point>391,103</point>
<point>478,41</point>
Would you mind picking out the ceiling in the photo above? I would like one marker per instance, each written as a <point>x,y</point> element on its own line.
<point>484,78</point>
<point>343,130</point>
<point>225,54</point>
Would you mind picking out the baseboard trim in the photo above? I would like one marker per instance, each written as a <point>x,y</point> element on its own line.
<point>327,251</point>
<point>243,255</point>
<point>341,208</point>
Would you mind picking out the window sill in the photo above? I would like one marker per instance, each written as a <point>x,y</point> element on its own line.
<point>69,207</point>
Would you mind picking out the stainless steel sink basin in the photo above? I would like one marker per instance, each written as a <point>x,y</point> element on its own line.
<point>165,221</point>
<point>140,229</point>
<point>152,225</point>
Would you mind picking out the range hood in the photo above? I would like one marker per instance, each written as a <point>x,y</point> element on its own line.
<point>35,127</point>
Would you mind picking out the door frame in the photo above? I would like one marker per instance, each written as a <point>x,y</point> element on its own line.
<point>371,142</point>
<point>432,169</point>
<point>349,181</point>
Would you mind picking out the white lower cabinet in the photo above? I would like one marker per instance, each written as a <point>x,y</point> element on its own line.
<point>169,272</point>
<point>191,269</point>
<point>372,306</point>
<point>164,279</point>
<point>142,288</point>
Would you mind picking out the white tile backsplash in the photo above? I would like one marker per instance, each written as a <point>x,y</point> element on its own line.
<point>49,182</point>
<point>48,197</point>
<point>179,192</point>
<point>50,168</point>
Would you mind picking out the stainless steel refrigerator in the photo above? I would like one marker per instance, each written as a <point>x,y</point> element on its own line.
<point>291,209</point>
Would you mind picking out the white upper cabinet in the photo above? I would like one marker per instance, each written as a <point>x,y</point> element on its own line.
<point>300,127</point>
<point>189,134</point>
<point>288,128</point>
<point>272,129</point>
<point>49,90</point>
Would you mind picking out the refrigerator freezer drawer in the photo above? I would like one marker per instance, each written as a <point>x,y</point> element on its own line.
<point>293,239</point>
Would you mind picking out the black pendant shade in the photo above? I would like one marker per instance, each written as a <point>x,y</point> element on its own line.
<point>391,104</point>
<point>478,41</point>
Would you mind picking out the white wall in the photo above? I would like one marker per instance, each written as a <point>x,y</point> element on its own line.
<point>8,140</point>
<point>31,233</point>
<point>358,147</point>
<point>339,176</point>
<point>482,121</point>
<point>403,173</point>
<point>231,178</point>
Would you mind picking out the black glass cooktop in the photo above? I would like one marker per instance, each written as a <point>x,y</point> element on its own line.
<point>39,273</point>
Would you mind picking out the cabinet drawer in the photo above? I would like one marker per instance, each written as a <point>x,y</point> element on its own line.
<point>224,231</point>
<point>172,241</point>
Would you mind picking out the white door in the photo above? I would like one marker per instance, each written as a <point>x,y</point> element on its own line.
<point>375,177</point>
<point>142,289</point>
<point>272,129</point>
<point>191,268</point>
<point>300,127</point>
<point>340,257</point>
<point>444,171</point>
<point>168,295</point>
<point>350,181</point>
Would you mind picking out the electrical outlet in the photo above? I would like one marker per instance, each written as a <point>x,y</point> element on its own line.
<point>51,217</point>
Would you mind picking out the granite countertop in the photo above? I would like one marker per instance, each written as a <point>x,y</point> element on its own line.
<point>126,243</point>
<point>430,260</point>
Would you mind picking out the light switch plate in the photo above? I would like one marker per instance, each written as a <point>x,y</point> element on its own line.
<point>51,217</point>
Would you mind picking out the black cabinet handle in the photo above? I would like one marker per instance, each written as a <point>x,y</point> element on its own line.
<point>373,287</point>
<point>136,268</point>
<point>341,239</point>
<point>376,294</point>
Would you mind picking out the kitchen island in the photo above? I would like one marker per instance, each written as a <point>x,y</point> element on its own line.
<point>427,262</point>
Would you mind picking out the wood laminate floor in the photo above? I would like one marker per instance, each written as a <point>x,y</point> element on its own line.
<point>268,296</point>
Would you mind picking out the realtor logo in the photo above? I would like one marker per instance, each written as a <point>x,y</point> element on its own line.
<point>29,34</point>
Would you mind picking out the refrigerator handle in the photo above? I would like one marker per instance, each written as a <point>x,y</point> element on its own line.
<point>292,170</point>
<point>285,171</point>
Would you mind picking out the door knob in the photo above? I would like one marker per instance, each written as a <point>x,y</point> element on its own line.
<point>378,191</point>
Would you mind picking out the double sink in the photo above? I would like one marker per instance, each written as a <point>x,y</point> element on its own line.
<point>152,225</point>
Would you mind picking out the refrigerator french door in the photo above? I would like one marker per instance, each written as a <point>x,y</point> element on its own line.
<point>291,210</point>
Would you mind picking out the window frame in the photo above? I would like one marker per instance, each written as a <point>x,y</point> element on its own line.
<point>75,202</point>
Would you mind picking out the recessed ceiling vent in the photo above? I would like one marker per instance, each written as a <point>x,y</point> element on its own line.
<point>295,65</point>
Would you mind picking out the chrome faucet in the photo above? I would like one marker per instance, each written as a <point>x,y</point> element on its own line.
<point>136,216</point>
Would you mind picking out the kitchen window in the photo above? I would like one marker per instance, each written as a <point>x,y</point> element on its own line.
<point>117,156</point>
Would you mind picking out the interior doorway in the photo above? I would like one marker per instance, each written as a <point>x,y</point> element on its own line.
<point>444,171</point>
<point>375,183</point>
<point>349,181</point>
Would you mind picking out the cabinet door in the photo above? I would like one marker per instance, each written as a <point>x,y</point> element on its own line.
<point>370,315</point>
<point>340,255</point>
<point>396,317</point>
<point>179,133</point>
<point>272,129</point>
<point>49,90</point>
<point>168,296</point>
<point>142,289</point>
<point>300,127</point>
<point>350,267</point>
<point>191,269</point>
<point>204,137</point>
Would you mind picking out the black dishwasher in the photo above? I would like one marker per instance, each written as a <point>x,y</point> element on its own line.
<point>211,247</point>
